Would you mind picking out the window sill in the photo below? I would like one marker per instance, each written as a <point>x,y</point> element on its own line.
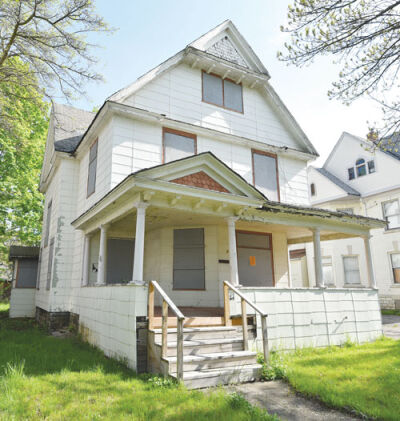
<point>354,286</point>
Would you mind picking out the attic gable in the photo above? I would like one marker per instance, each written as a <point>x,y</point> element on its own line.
<point>226,50</point>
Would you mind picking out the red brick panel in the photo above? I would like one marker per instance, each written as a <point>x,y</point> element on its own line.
<point>202,180</point>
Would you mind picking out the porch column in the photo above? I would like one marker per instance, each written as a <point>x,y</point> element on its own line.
<point>86,257</point>
<point>233,263</point>
<point>370,268</point>
<point>319,279</point>
<point>101,267</point>
<point>138,259</point>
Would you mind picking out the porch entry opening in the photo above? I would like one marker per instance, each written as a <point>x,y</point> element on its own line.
<point>189,259</point>
<point>255,259</point>
<point>120,253</point>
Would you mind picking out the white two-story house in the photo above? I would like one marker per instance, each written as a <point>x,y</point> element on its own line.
<point>193,175</point>
<point>356,181</point>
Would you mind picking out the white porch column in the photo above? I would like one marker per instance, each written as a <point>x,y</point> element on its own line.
<point>319,279</point>
<point>138,259</point>
<point>101,267</point>
<point>86,257</point>
<point>233,263</point>
<point>370,268</point>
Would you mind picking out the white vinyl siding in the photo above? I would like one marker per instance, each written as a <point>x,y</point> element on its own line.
<point>351,270</point>
<point>266,175</point>
<point>391,212</point>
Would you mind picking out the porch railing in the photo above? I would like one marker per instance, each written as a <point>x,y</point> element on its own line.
<point>180,318</point>
<point>244,300</point>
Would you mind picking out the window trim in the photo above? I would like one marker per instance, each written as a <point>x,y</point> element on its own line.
<point>179,133</point>
<point>271,248</point>
<point>392,268</point>
<point>95,174</point>
<point>384,216</point>
<point>271,155</point>
<point>223,92</point>
<point>345,283</point>
<point>48,223</point>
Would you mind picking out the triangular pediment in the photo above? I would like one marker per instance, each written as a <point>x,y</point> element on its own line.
<point>225,49</point>
<point>203,171</point>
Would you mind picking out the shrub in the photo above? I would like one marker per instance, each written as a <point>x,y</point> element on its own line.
<point>276,369</point>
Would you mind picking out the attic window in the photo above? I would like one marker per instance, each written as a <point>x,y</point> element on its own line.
<point>360,167</point>
<point>371,166</point>
<point>225,93</point>
<point>351,173</point>
<point>178,145</point>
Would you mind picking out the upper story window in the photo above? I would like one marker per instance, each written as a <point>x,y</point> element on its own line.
<point>265,174</point>
<point>360,168</point>
<point>91,184</point>
<point>222,92</point>
<point>312,189</point>
<point>48,222</point>
<point>177,145</point>
<point>391,212</point>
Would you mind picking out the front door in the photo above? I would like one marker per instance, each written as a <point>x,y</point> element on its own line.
<point>255,260</point>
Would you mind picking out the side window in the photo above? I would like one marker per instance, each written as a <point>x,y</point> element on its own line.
<point>189,268</point>
<point>395,261</point>
<point>351,173</point>
<point>177,145</point>
<point>312,189</point>
<point>48,222</point>
<point>265,174</point>
<point>351,270</point>
<point>371,166</point>
<point>27,273</point>
<point>50,264</point>
<point>91,184</point>
<point>391,212</point>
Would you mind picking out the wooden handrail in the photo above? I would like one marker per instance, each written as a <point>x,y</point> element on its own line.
<point>244,300</point>
<point>167,302</point>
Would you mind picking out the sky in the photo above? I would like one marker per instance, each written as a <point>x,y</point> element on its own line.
<point>149,32</point>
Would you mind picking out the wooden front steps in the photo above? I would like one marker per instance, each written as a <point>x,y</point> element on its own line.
<point>213,355</point>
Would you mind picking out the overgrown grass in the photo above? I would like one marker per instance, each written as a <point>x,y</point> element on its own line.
<point>42,377</point>
<point>364,379</point>
<point>4,308</point>
<point>391,312</point>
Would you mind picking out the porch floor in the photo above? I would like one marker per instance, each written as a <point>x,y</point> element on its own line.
<point>193,311</point>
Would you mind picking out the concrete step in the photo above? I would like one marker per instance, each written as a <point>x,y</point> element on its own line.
<point>220,376</point>
<point>202,362</point>
<point>205,346</point>
<point>195,333</point>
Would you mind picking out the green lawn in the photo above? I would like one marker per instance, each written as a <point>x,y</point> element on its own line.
<point>391,312</point>
<point>42,377</point>
<point>364,378</point>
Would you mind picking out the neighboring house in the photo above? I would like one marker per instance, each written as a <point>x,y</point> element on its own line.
<point>355,181</point>
<point>194,174</point>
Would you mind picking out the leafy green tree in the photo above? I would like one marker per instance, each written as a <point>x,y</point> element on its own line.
<point>364,38</point>
<point>21,155</point>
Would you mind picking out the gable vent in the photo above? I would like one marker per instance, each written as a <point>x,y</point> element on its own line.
<point>225,49</point>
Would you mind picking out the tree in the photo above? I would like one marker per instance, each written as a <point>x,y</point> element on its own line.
<point>21,156</point>
<point>50,36</point>
<point>364,36</point>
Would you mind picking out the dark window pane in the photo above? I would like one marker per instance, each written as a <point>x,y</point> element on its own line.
<point>189,259</point>
<point>312,189</point>
<point>371,166</point>
<point>233,96</point>
<point>351,173</point>
<point>265,175</point>
<point>119,260</point>
<point>177,146</point>
<point>361,170</point>
<point>360,161</point>
<point>92,177</point>
<point>27,273</point>
<point>212,89</point>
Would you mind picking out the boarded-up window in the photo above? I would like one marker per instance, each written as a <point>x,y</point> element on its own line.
<point>351,270</point>
<point>91,185</point>
<point>178,145</point>
<point>189,259</point>
<point>395,259</point>
<point>119,260</point>
<point>265,174</point>
<point>391,212</point>
<point>50,264</point>
<point>26,273</point>
<point>48,222</point>
<point>255,262</point>
<point>222,92</point>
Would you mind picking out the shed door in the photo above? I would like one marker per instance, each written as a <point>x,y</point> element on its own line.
<point>189,259</point>
<point>255,261</point>
<point>119,260</point>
